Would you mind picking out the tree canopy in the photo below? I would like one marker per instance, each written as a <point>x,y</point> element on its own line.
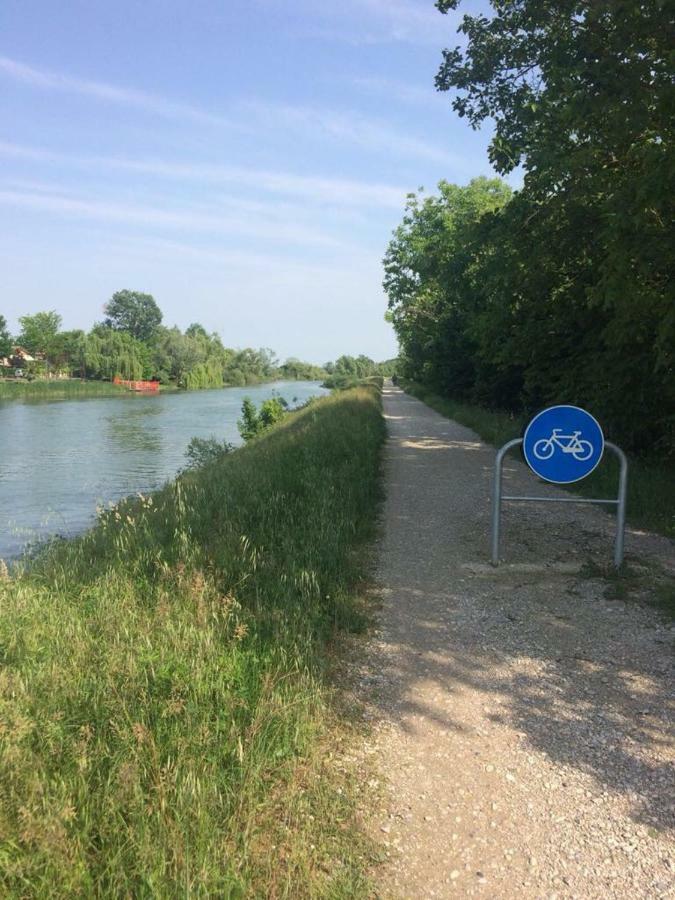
<point>39,331</point>
<point>562,292</point>
<point>135,313</point>
<point>5,338</point>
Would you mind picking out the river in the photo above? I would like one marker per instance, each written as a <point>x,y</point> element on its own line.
<point>60,459</point>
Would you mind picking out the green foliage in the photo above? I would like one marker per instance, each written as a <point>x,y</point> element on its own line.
<point>203,451</point>
<point>348,371</point>
<point>133,344</point>
<point>567,294</point>
<point>253,422</point>
<point>107,353</point>
<point>38,332</point>
<point>5,338</point>
<point>163,706</point>
<point>135,313</point>
<point>301,371</point>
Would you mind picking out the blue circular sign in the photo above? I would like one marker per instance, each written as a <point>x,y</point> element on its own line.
<point>563,444</point>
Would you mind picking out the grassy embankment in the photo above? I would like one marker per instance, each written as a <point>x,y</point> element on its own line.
<point>651,499</point>
<point>58,389</point>
<point>165,719</point>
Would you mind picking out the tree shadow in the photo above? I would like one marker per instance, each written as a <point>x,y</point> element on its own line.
<point>587,681</point>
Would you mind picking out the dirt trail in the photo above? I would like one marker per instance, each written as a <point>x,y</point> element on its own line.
<point>523,720</point>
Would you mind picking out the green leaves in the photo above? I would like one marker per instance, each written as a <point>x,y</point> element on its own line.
<point>135,313</point>
<point>563,292</point>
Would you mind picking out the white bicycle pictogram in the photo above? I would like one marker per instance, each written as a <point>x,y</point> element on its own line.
<point>580,450</point>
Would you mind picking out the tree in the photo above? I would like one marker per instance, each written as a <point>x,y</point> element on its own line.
<point>196,330</point>
<point>108,353</point>
<point>254,422</point>
<point>5,338</point>
<point>39,331</point>
<point>429,278</point>
<point>576,273</point>
<point>135,313</point>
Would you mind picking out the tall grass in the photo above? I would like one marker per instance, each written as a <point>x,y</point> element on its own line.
<point>57,389</point>
<point>164,725</point>
<point>651,483</point>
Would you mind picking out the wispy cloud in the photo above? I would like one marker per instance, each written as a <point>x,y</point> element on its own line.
<point>349,127</point>
<point>63,204</point>
<point>123,96</point>
<point>331,191</point>
<point>354,128</point>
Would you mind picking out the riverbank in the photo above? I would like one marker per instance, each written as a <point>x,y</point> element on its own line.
<point>166,721</point>
<point>57,389</point>
<point>75,388</point>
<point>651,501</point>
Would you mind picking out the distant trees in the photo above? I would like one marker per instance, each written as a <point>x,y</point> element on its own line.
<point>347,370</point>
<point>295,368</point>
<point>192,359</point>
<point>39,331</point>
<point>108,353</point>
<point>5,338</point>
<point>135,313</point>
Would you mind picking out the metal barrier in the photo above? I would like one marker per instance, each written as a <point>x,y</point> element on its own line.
<point>620,501</point>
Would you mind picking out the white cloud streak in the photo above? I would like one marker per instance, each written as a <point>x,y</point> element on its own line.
<point>61,204</point>
<point>330,191</point>
<point>128,97</point>
<point>348,127</point>
<point>354,128</point>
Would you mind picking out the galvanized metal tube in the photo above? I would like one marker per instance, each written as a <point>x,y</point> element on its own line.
<point>561,500</point>
<point>497,496</point>
<point>621,500</point>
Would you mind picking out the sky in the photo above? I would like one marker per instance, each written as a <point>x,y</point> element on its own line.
<point>244,161</point>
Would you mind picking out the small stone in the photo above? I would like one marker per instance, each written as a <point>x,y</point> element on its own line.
<point>454,874</point>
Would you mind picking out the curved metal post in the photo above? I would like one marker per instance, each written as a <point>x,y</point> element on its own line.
<point>621,504</point>
<point>497,497</point>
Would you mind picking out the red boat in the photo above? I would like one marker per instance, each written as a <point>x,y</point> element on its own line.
<point>145,387</point>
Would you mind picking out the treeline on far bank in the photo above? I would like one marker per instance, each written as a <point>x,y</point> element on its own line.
<point>133,344</point>
<point>562,290</point>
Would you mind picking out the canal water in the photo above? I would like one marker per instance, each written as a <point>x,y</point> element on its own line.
<point>60,459</point>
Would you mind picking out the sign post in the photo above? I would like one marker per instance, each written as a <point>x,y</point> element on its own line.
<point>562,444</point>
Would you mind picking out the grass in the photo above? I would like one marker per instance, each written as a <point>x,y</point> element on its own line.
<point>57,389</point>
<point>649,584</point>
<point>651,484</point>
<point>166,727</point>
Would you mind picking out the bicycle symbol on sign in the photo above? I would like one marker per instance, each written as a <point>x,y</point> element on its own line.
<point>580,450</point>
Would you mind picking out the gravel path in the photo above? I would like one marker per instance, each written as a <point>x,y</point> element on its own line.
<point>523,720</point>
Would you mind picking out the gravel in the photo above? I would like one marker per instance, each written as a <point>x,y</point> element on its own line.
<point>523,721</point>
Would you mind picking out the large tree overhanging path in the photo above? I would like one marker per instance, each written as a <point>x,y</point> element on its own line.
<point>523,718</point>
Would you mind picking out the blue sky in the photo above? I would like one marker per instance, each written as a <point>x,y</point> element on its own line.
<point>244,161</point>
